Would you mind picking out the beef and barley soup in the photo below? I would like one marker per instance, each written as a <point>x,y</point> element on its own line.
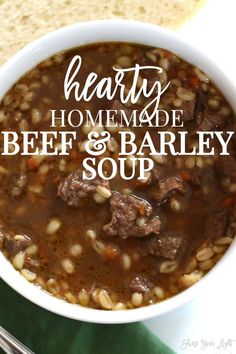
<point>116,244</point>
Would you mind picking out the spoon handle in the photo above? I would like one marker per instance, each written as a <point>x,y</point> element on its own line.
<point>11,345</point>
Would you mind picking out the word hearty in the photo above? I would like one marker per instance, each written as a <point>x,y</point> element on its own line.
<point>104,87</point>
<point>140,151</point>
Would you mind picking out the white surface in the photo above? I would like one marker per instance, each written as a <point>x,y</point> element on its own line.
<point>209,318</point>
<point>76,35</point>
<point>212,316</point>
<point>213,30</point>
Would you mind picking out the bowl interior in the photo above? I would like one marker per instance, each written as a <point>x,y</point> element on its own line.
<point>107,31</point>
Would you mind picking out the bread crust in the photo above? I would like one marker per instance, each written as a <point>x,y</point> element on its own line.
<point>23,21</point>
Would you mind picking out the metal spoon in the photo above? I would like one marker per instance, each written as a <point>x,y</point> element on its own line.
<point>11,345</point>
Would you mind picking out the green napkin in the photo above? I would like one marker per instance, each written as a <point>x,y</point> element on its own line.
<point>47,333</point>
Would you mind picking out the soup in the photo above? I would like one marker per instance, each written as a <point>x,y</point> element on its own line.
<point>115,243</point>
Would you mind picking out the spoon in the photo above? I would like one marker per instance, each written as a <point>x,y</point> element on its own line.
<point>11,345</point>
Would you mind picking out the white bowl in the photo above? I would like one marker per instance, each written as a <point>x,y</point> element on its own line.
<point>121,31</point>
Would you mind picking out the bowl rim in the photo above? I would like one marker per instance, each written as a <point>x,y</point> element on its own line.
<point>111,31</point>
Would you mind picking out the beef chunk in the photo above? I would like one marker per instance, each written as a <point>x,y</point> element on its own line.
<point>11,243</point>
<point>188,108</point>
<point>14,246</point>
<point>216,224</point>
<point>125,213</point>
<point>211,120</point>
<point>196,176</point>
<point>227,166</point>
<point>203,176</point>
<point>5,234</point>
<point>169,245</point>
<point>192,108</point>
<point>74,187</point>
<point>18,184</point>
<point>118,106</point>
<point>200,103</point>
<point>167,187</point>
<point>140,284</point>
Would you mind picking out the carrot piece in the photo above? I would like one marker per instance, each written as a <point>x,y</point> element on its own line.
<point>227,202</point>
<point>56,179</point>
<point>32,163</point>
<point>194,81</point>
<point>111,252</point>
<point>186,176</point>
<point>142,210</point>
<point>74,155</point>
<point>168,54</point>
<point>43,250</point>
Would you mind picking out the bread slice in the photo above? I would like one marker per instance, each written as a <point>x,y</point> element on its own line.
<point>23,21</point>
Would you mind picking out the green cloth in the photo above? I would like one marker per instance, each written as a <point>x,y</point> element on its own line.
<point>47,333</point>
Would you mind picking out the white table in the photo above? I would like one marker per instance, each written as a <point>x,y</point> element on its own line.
<point>198,327</point>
